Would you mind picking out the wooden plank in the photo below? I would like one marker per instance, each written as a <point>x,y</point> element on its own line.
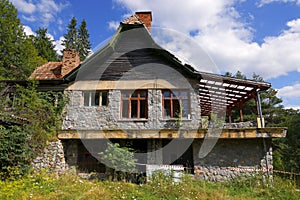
<point>238,133</point>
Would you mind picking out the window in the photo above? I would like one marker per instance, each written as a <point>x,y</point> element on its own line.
<point>95,98</point>
<point>134,104</point>
<point>176,103</point>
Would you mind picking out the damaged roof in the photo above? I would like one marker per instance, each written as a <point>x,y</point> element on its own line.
<point>57,70</point>
<point>48,71</point>
<point>134,19</point>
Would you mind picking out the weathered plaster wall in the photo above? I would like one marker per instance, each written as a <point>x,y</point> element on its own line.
<point>79,117</point>
<point>232,158</point>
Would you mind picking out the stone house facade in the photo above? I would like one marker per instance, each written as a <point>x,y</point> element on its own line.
<point>137,94</point>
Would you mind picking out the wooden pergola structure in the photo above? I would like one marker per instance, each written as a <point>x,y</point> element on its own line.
<point>221,94</point>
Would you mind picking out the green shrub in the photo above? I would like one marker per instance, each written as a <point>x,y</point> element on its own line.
<point>42,110</point>
<point>15,154</point>
<point>120,160</point>
<point>35,117</point>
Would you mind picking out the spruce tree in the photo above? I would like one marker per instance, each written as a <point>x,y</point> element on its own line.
<point>84,45</point>
<point>78,39</point>
<point>70,41</point>
<point>44,45</point>
<point>18,56</point>
<point>11,35</point>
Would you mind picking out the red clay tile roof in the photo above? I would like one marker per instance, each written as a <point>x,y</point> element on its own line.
<point>48,71</point>
<point>134,19</point>
<point>140,18</point>
<point>57,70</point>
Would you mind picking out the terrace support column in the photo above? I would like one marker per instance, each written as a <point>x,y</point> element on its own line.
<point>240,107</point>
<point>241,115</point>
<point>229,116</point>
<point>259,110</point>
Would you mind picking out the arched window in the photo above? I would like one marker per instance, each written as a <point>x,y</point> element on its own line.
<point>176,103</point>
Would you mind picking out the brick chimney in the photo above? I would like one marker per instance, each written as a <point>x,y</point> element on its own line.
<point>146,17</point>
<point>70,61</point>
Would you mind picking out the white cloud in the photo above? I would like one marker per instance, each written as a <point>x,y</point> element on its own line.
<point>220,31</point>
<point>113,25</point>
<point>294,26</point>
<point>49,10</point>
<point>30,18</point>
<point>24,6</point>
<point>28,31</point>
<point>42,11</point>
<point>290,96</point>
<point>58,45</point>
<point>290,91</point>
<point>175,14</point>
<point>265,2</point>
<point>295,107</point>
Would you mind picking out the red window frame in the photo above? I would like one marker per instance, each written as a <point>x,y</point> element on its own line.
<point>133,102</point>
<point>175,98</point>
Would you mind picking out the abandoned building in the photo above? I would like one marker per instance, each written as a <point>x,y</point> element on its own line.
<point>136,93</point>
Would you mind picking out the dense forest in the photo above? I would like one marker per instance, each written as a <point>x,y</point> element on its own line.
<point>21,54</point>
<point>28,118</point>
<point>286,151</point>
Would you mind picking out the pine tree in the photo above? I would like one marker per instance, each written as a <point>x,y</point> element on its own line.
<point>70,41</point>
<point>270,104</point>
<point>84,45</point>
<point>45,45</point>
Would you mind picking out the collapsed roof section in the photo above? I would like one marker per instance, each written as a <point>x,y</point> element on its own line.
<point>57,70</point>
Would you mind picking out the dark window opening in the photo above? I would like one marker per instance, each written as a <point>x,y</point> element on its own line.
<point>134,104</point>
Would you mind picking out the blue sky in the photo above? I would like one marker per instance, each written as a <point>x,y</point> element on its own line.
<point>261,36</point>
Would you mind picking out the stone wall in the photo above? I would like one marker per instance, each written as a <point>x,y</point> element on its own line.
<point>233,158</point>
<point>229,158</point>
<point>52,158</point>
<point>80,117</point>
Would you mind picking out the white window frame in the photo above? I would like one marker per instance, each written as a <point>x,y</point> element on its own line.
<point>100,93</point>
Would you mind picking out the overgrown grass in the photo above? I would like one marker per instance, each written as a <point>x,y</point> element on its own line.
<point>48,186</point>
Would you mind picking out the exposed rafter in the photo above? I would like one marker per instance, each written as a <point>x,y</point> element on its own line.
<point>222,94</point>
